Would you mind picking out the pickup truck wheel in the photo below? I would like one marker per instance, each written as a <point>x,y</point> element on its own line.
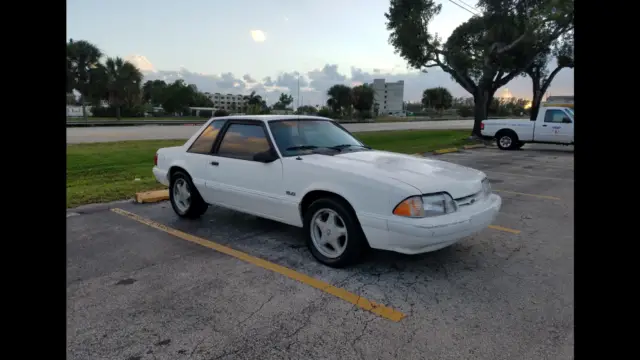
<point>185,199</point>
<point>507,140</point>
<point>334,235</point>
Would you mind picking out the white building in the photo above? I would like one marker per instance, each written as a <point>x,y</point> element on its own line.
<point>229,102</point>
<point>389,97</point>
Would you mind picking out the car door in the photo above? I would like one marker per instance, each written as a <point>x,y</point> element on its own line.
<point>553,128</point>
<point>241,182</point>
<point>199,156</point>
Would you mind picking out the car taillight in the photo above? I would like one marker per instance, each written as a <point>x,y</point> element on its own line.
<point>481,126</point>
<point>155,160</point>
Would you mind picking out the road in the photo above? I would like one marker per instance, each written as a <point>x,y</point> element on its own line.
<point>157,132</point>
<point>139,289</point>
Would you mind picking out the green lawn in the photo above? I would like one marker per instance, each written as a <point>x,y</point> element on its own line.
<point>101,172</point>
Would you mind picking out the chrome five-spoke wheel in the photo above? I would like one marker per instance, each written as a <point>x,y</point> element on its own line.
<point>182,195</point>
<point>329,233</point>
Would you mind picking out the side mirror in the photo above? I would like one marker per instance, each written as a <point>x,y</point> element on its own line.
<point>566,120</point>
<point>265,156</point>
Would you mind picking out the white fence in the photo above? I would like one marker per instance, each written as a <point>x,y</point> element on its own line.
<point>76,111</point>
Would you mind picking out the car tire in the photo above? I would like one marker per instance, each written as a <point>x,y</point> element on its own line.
<point>188,205</point>
<point>507,140</point>
<point>519,145</point>
<point>347,234</point>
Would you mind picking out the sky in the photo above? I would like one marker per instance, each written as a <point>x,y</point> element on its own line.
<point>255,45</point>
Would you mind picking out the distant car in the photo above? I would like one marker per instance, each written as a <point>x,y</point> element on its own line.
<point>311,173</point>
<point>553,125</point>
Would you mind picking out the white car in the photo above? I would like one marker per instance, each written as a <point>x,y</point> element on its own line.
<point>553,125</point>
<point>311,173</point>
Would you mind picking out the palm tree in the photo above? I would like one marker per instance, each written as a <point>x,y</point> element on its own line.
<point>124,80</point>
<point>82,57</point>
<point>253,99</point>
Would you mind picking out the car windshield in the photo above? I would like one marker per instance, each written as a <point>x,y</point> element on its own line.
<point>570,111</point>
<point>294,137</point>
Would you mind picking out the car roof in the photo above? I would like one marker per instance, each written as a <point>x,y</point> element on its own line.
<point>268,118</point>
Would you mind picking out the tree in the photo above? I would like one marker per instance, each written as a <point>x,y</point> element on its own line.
<point>124,80</point>
<point>414,107</point>
<point>71,98</point>
<point>340,98</point>
<point>306,110</point>
<point>438,98</point>
<point>487,51</point>
<point>539,73</point>
<point>154,92</point>
<point>362,98</point>
<point>253,99</point>
<point>326,112</point>
<point>82,58</point>
<point>284,102</point>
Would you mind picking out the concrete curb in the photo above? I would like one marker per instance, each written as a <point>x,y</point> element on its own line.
<point>152,196</point>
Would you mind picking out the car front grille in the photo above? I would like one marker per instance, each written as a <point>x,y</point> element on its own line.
<point>469,200</point>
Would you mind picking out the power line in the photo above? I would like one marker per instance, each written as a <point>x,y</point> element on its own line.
<point>467,4</point>
<point>472,12</point>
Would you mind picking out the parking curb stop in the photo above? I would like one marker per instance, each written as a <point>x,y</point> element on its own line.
<point>445,151</point>
<point>152,196</point>
<point>475,146</point>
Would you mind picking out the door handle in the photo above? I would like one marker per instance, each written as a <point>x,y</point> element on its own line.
<point>215,163</point>
<point>544,125</point>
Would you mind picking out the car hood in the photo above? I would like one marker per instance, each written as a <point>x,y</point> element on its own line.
<point>427,175</point>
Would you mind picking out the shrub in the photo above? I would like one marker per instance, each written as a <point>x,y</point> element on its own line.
<point>465,111</point>
<point>206,113</point>
<point>125,111</point>
<point>221,112</point>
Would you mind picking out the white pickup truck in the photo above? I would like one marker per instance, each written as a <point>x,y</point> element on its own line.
<point>554,125</point>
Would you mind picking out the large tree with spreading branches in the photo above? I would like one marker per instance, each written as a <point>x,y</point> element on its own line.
<point>487,51</point>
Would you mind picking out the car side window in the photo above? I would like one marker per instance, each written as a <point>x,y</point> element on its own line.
<point>554,116</point>
<point>204,142</point>
<point>243,141</point>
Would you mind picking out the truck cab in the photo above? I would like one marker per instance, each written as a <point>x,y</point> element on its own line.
<point>553,125</point>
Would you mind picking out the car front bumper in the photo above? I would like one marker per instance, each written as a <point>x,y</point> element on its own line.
<point>414,236</point>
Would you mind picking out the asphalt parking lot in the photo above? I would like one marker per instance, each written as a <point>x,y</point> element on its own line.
<point>138,289</point>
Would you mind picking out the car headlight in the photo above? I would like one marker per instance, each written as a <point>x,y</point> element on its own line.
<point>486,187</point>
<point>421,206</point>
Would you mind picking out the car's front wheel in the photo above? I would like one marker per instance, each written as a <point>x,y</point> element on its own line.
<point>185,198</point>
<point>334,235</point>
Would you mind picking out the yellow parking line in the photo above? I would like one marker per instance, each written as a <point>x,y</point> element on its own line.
<point>500,228</point>
<point>378,309</point>
<point>525,194</point>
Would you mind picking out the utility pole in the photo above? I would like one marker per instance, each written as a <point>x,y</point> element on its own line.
<point>298,92</point>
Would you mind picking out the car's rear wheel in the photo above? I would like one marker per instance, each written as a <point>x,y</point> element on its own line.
<point>334,235</point>
<point>185,198</point>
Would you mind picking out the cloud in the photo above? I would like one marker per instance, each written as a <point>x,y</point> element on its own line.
<point>258,35</point>
<point>315,83</point>
<point>141,62</point>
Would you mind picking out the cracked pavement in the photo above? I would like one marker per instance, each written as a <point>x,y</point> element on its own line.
<point>134,292</point>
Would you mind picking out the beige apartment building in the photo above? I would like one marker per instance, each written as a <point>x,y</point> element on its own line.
<point>229,102</point>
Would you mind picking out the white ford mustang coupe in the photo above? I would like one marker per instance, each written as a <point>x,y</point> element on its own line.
<point>311,173</point>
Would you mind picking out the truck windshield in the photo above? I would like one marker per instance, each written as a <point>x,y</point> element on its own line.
<point>570,111</point>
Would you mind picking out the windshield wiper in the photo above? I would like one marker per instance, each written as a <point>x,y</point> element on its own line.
<point>344,146</point>
<point>302,147</point>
